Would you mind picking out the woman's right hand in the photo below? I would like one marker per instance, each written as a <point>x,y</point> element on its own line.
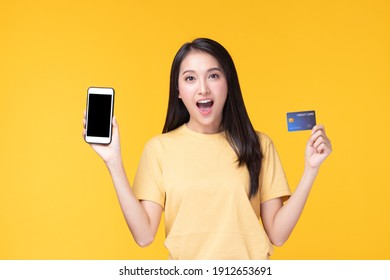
<point>143,218</point>
<point>111,152</point>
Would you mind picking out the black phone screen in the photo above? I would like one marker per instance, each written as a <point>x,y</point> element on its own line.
<point>99,115</point>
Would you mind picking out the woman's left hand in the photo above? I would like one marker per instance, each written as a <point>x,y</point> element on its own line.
<point>318,147</point>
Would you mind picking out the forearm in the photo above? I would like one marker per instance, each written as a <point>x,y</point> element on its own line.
<point>135,215</point>
<point>279,220</point>
<point>288,215</point>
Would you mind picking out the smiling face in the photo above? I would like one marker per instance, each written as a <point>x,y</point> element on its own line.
<point>203,90</point>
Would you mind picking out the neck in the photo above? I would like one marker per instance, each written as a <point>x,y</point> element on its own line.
<point>204,129</point>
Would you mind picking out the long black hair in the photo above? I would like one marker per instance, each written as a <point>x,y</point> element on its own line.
<point>235,120</point>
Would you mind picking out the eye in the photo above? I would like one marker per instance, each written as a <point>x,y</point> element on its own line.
<point>190,79</point>
<point>214,76</point>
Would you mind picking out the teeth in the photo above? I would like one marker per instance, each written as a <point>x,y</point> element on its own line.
<point>204,101</point>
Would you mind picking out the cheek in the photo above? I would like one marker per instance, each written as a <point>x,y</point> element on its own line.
<point>185,90</point>
<point>220,89</point>
<point>182,90</point>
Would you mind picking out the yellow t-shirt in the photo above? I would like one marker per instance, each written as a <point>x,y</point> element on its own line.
<point>196,179</point>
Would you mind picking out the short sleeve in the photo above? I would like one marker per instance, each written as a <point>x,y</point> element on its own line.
<point>273,181</point>
<point>148,182</point>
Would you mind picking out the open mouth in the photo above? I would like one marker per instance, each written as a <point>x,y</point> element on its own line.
<point>205,105</point>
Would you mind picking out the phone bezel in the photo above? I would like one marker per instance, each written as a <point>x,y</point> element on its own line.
<point>103,91</point>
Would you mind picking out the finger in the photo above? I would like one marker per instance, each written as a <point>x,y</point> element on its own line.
<point>84,118</point>
<point>317,127</point>
<point>115,127</point>
<point>320,140</point>
<point>323,148</point>
<point>84,123</point>
<point>319,133</point>
<point>114,122</point>
<point>320,148</point>
<point>314,137</point>
<point>322,144</point>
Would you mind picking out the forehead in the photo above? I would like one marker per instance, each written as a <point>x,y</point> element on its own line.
<point>198,60</point>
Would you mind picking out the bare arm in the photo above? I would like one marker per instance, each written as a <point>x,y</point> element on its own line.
<point>142,217</point>
<point>279,220</point>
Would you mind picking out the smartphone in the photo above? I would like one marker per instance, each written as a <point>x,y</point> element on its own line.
<point>99,113</point>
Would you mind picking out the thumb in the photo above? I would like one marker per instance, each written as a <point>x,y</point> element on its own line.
<point>114,122</point>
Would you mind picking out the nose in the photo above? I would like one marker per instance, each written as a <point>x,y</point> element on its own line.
<point>203,87</point>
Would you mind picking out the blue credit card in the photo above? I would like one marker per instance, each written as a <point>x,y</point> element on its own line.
<point>304,120</point>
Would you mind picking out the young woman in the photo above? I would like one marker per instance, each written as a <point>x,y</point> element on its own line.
<point>210,172</point>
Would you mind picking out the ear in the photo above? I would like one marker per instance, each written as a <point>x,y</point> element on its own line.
<point>179,95</point>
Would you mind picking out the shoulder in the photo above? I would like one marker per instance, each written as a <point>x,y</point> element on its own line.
<point>263,136</point>
<point>158,142</point>
<point>265,140</point>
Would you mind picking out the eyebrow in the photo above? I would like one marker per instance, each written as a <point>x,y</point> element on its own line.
<point>209,70</point>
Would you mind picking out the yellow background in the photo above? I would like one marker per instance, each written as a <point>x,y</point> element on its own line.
<point>56,197</point>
